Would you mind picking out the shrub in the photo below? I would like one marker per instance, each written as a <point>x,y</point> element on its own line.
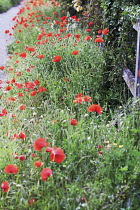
<point>6,4</point>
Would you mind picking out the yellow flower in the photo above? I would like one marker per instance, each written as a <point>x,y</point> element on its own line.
<point>120,146</point>
<point>79,8</point>
<point>76,5</point>
<point>106,142</point>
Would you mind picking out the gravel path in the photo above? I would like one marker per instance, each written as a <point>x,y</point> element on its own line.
<point>6,23</point>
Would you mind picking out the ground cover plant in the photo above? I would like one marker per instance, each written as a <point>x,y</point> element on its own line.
<point>62,146</point>
<point>6,4</point>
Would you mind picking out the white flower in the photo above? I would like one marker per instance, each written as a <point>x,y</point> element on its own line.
<point>79,8</point>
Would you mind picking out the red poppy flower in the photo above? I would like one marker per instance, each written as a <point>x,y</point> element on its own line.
<point>45,173</point>
<point>90,24</point>
<point>6,31</point>
<point>13,115</point>
<point>48,18</point>
<point>49,149</point>
<point>63,18</point>
<point>75,52</point>
<point>29,85</point>
<point>30,49</point>
<point>17,62</point>
<point>105,31</point>
<point>15,121</point>
<point>95,108</point>
<point>34,155</point>
<point>87,30</point>
<point>87,98</point>
<point>37,82</point>
<point>11,99</point>
<point>22,157</point>
<point>22,136</point>
<point>56,58</point>
<point>100,146</point>
<point>66,79</point>
<point>33,93</point>
<point>77,36</point>
<point>38,163</point>
<point>18,85</point>
<point>22,107</point>
<point>13,80</point>
<point>20,94</point>
<point>40,56</point>
<point>11,169</point>
<point>99,153</point>
<point>67,35</point>
<point>7,88</point>
<point>73,122</point>
<point>80,99</point>
<point>2,67</point>
<point>99,39</point>
<point>73,17</point>
<point>57,155</point>
<point>41,89</point>
<point>3,112</point>
<point>31,201</point>
<point>78,95</point>
<point>23,55</point>
<point>5,186</point>
<point>99,31</point>
<point>87,38</point>
<point>40,143</point>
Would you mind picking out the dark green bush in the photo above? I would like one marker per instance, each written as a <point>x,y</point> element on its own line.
<point>121,41</point>
<point>15,2</point>
<point>6,4</point>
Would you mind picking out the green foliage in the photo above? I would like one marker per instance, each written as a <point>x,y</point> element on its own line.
<point>6,4</point>
<point>122,35</point>
<point>15,2</point>
<point>119,16</point>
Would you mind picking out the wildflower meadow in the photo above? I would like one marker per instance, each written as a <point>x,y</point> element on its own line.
<point>63,144</point>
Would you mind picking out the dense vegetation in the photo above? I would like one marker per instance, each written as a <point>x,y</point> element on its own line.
<point>69,134</point>
<point>6,4</point>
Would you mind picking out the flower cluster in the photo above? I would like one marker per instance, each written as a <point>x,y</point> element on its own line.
<point>56,155</point>
<point>77,5</point>
<point>19,91</point>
